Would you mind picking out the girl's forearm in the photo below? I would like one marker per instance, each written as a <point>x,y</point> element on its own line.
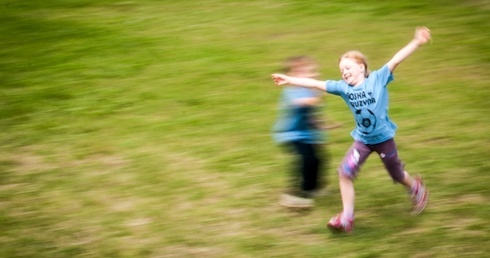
<point>307,83</point>
<point>422,36</point>
<point>314,101</point>
<point>406,51</point>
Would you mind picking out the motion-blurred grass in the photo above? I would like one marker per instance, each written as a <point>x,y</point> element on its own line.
<point>141,128</point>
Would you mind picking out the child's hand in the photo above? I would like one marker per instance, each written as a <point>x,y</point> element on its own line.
<point>422,35</point>
<point>280,79</point>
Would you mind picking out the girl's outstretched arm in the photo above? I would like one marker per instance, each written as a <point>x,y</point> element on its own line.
<point>281,79</point>
<point>306,102</point>
<point>422,36</point>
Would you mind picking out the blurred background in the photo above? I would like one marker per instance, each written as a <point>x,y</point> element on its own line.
<point>143,128</point>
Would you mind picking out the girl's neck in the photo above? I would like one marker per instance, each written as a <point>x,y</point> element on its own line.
<point>360,81</point>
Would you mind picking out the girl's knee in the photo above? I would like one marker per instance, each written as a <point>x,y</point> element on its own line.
<point>398,177</point>
<point>351,163</point>
<point>397,172</point>
<point>395,167</point>
<point>347,170</point>
<point>345,178</point>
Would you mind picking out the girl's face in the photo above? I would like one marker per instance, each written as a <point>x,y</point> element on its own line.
<point>308,71</point>
<point>352,72</point>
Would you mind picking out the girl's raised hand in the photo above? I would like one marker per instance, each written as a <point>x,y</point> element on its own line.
<point>422,35</point>
<point>280,79</point>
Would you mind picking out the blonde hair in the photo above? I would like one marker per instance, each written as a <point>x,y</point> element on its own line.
<point>296,62</point>
<point>359,58</point>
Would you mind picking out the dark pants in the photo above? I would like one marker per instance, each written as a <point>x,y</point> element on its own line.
<point>307,171</point>
<point>359,152</point>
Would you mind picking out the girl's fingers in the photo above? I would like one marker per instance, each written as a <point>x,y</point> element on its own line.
<point>423,33</point>
<point>277,79</point>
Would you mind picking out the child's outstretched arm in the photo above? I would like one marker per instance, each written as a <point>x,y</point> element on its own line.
<point>281,79</point>
<point>422,36</point>
<point>306,102</point>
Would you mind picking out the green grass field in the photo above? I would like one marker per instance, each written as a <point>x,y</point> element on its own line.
<point>142,128</point>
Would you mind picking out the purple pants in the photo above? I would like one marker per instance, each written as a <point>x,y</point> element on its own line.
<point>359,152</point>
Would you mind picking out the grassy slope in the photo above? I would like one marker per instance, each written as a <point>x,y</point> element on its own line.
<point>141,128</point>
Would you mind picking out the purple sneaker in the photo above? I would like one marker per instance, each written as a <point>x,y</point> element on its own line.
<point>420,197</point>
<point>339,224</point>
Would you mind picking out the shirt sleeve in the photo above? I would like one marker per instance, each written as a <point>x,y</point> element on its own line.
<point>333,87</point>
<point>384,75</point>
<point>290,94</point>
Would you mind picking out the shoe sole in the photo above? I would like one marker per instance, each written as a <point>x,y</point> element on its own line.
<point>336,230</point>
<point>306,206</point>
<point>295,202</point>
<point>320,193</point>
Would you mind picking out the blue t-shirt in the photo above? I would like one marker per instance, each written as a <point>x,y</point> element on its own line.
<point>368,103</point>
<point>297,123</point>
